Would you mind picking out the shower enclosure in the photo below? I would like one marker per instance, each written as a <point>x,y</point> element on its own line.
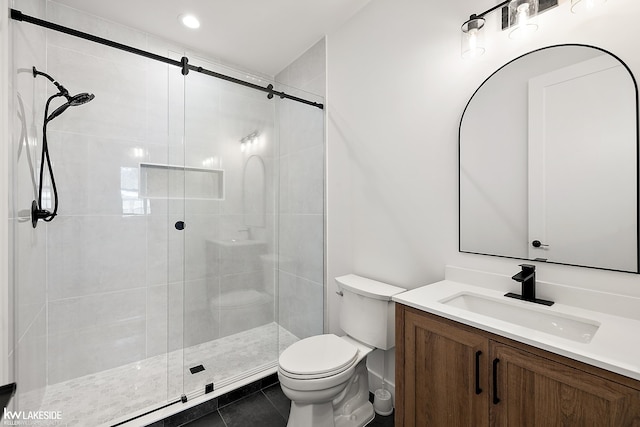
<point>187,251</point>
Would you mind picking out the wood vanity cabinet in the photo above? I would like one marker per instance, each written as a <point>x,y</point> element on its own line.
<point>450,374</point>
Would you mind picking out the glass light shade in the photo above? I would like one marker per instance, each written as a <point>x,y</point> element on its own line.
<point>523,18</point>
<point>578,6</point>
<point>472,44</point>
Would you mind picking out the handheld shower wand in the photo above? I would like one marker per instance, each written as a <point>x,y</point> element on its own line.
<point>36,206</point>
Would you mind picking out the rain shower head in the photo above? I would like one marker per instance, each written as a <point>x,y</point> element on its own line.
<point>72,101</point>
<point>81,98</point>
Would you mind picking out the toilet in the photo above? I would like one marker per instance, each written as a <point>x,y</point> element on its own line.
<point>325,376</point>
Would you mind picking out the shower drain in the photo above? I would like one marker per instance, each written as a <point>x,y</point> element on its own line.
<point>196,369</point>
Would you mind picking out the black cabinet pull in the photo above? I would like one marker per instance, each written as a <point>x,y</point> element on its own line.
<point>478,389</point>
<point>496,399</point>
<point>179,225</point>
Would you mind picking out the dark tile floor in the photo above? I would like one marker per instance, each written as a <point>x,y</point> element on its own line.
<point>260,403</point>
<point>268,407</point>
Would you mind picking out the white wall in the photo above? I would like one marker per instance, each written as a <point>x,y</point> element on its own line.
<point>396,90</point>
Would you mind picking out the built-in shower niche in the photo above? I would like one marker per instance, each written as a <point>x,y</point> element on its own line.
<point>240,288</point>
<point>160,181</point>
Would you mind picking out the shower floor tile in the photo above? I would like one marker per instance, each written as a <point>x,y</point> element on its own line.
<point>100,398</point>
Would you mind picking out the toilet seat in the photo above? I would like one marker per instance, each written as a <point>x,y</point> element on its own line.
<point>319,356</point>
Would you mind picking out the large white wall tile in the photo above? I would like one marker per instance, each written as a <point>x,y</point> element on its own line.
<point>301,169</point>
<point>306,181</point>
<point>198,321</point>
<point>30,273</point>
<point>96,310</point>
<point>96,332</point>
<point>306,68</point>
<point>157,320</point>
<point>302,246</point>
<point>98,176</point>
<point>92,333</point>
<point>300,305</point>
<point>89,350</point>
<point>31,355</point>
<point>118,110</point>
<point>94,254</point>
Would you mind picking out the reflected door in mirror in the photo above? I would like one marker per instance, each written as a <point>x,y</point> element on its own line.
<point>549,153</point>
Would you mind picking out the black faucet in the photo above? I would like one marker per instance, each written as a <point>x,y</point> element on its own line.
<point>528,279</point>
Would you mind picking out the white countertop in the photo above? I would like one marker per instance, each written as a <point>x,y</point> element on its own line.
<point>614,347</point>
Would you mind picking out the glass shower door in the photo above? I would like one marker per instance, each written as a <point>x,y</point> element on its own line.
<point>223,259</point>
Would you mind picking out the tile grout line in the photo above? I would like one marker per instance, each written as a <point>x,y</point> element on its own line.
<point>271,402</point>
<point>222,418</point>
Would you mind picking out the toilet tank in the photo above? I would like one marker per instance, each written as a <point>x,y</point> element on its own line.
<point>366,311</point>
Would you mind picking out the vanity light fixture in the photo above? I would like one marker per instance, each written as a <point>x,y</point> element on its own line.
<point>249,141</point>
<point>578,6</point>
<point>472,37</point>
<point>521,16</point>
<point>189,21</point>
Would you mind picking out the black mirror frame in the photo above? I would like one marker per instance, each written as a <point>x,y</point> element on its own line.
<point>637,159</point>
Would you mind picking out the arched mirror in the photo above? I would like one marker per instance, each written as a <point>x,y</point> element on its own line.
<point>548,152</point>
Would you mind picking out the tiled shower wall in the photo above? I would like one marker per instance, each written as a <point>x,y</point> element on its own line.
<point>98,271</point>
<point>302,162</point>
<point>27,248</point>
<point>121,277</point>
<point>110,281</point>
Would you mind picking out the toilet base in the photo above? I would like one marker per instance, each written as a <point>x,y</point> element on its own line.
<point>322,415</point>
<point>350,408</point>
<point>311,414</point>
<point>358,418</point>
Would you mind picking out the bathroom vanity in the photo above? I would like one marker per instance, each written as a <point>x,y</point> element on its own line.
<point>455,366</point>
<point>466,355</point>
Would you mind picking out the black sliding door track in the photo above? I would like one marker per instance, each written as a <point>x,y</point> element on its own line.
<point>183,63</point>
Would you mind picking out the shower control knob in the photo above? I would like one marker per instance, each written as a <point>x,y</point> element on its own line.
<point>179,225</point>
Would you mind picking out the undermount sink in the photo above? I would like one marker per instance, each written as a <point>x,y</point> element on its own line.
<point>522,314</point>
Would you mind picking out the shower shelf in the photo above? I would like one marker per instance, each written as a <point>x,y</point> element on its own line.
<point>161,181</point>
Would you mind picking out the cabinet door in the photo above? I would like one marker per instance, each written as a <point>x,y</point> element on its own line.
<point>441,366</point>
<point>534,391</point>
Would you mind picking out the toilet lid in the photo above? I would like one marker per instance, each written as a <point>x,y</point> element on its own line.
<point>318,355</point>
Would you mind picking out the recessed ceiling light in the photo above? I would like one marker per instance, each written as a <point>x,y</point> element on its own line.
<point>189,21</point>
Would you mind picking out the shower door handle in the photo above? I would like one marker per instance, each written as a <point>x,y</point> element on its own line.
<point>179,225</point>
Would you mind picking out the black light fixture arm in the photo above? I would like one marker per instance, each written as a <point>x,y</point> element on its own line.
<point>488,11</point>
